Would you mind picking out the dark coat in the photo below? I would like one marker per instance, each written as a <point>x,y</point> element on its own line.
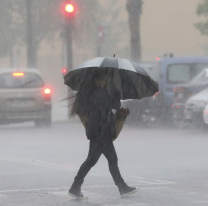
<point>100,121</point>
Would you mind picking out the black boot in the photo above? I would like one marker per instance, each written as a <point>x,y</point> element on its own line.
<point>125,190</point>
<point>75,191</point>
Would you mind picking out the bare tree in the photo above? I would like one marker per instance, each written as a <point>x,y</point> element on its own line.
<point>134,8</point>
<point>8,29</point>
<point>31,22</point>
<point>31,45</point>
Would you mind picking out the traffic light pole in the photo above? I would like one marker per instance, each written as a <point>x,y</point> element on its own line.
<point>69,12</point>
<point>100,36</point>
<point>69,53</point>
<point>98,49</point>
<point>68,39</point>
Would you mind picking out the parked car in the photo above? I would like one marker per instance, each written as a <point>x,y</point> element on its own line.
<point>205,115</point>
<point>24,97</point>
<point>149,111</point>
<point>144,112</point>
<point>183,92</point>
<point>169,72</point>
<point>195,107</point>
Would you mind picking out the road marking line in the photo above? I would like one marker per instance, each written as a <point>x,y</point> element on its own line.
<point>67,188</point>
<point>38,163</point>
<point>138,181</point>
<point>65,193</point>
<point>137,204</point>
<point>58,193</point>
<point>40,189</point>
<point>153,181</point>
<point>154,188</point>
<point>31,190</point>
<point>87,193</point>
<point>92,172</point>
<point>130,204</point>
<point>201,202</point>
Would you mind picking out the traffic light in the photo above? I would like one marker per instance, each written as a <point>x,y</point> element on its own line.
<point>69,9</point>
<point>64,71</point>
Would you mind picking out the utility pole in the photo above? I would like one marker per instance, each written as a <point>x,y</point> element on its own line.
<point>31,46</point>
<point>100,36</point>
<point>69,10</point>
<point>68,40</point>
<point>102,32</point>
<point>134,8</point>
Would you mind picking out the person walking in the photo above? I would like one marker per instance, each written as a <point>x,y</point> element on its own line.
<point>94,103</point>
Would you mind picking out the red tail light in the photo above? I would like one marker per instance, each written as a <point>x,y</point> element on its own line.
<point>47,91</point>
<point>47,94</point>
<point>18,74</point>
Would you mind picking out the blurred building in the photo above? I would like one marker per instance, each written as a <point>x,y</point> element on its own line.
<point>166,26</point>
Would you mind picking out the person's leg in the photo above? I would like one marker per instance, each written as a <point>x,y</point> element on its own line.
<point>92,158</point>
<point>110,153</point>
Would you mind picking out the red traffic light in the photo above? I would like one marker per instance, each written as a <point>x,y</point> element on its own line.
<point>69,9</point>
<point>64,70</point>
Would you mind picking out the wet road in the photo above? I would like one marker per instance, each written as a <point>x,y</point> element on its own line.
<point>37,167</point>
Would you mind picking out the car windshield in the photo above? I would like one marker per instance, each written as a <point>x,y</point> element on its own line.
<point>27,80</point>
<point>183,73</point>
<point>201,77</point>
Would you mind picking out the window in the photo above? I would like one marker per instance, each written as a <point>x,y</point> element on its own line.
<point>178,73</point>
<point>182,73</point>
<point>29,80</point>
<point>200,67</point>
<point>201,77</point>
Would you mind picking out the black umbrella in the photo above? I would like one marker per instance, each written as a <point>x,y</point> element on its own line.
<point>131,80</point>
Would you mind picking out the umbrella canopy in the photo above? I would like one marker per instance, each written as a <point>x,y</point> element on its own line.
<point>131,80</point>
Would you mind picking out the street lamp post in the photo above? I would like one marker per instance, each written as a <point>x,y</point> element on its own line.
<point>69,9</point>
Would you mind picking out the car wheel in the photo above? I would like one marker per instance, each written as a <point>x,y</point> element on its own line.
<point>180,123</point>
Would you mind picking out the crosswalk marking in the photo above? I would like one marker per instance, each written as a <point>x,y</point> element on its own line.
<point>38,163</point>
<point>201,202</point>
<point>66,189</point>
<point>138,180</point>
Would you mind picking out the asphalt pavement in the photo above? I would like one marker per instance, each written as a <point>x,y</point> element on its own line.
<point>37,167</point>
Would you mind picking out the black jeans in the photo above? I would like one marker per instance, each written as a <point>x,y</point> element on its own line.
<point>97,148</point>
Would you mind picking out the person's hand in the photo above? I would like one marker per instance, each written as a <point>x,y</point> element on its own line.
<point>124,112</point>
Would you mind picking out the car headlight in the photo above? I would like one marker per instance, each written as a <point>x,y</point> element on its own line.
<point>200,104</point>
